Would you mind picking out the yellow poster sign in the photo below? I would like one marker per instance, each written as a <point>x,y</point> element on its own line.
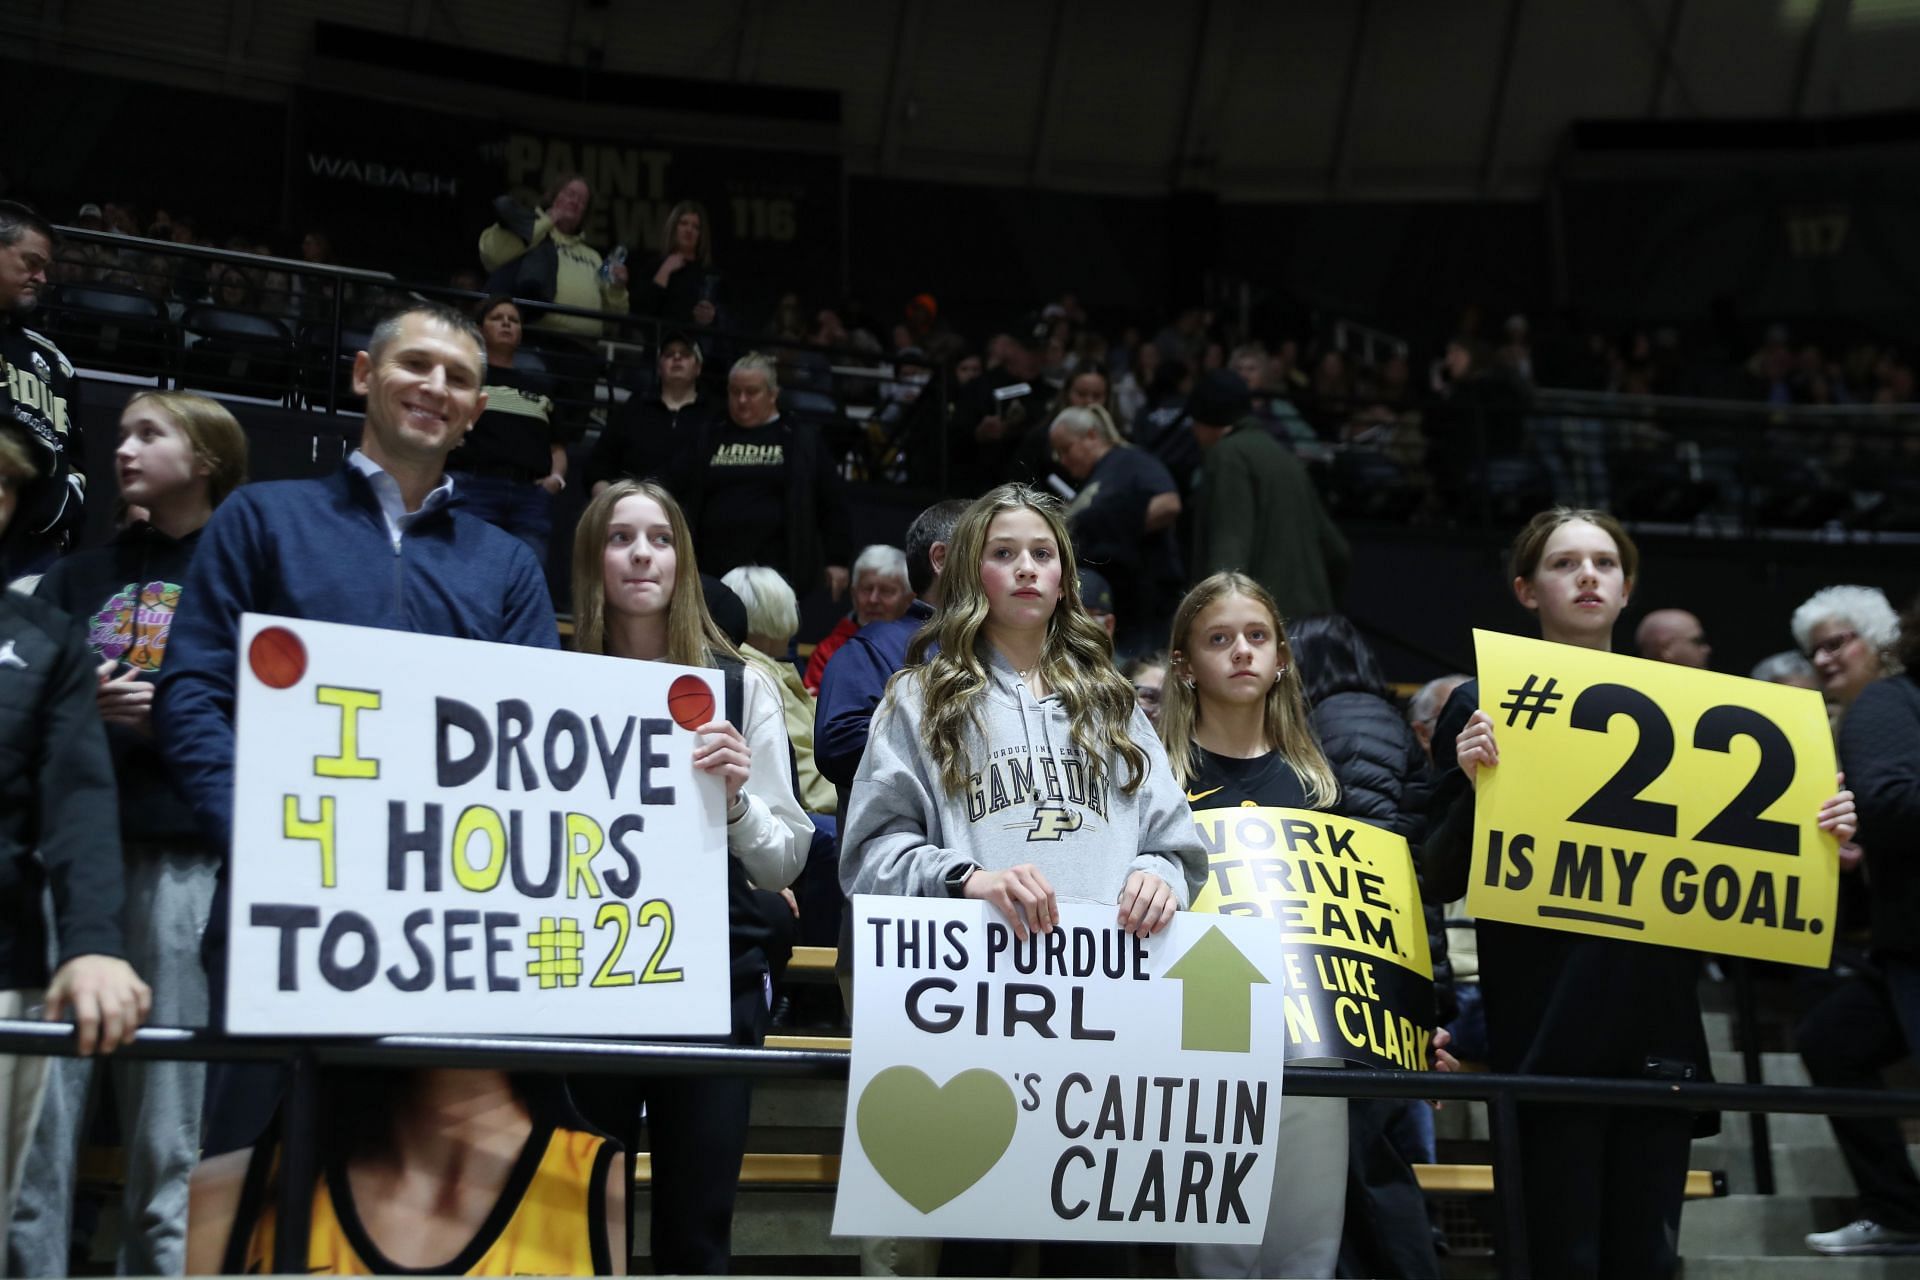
<point>1652,802</point>
<point>1359,979</point>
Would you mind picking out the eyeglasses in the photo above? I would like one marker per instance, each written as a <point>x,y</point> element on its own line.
<point>1146,693</point>
<point>1832,644</point>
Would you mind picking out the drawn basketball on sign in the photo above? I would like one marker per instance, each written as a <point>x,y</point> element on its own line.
<point>690,702</point>
<point>277,658</point>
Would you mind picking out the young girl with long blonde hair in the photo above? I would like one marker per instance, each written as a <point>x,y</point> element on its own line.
<point>1235,723</point>
<point>1009,761</point>
<point>637,594</point>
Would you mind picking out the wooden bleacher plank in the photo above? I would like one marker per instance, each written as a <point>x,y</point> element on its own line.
<point>814,959</point>
<point>1477,1179</point>
<point>765,1170</point>
<point>811,1170</point>
<point>843,1043</point>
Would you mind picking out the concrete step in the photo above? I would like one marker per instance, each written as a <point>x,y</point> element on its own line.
<point>812,1104</point>
<point>1775,1068</point>
<point>767,1224</point>
<point>1756,1225</point>
<point>1462,1121</point>
<point>1808,1266</point>
<point>1797,1170</point>
<point>1783,1128</point>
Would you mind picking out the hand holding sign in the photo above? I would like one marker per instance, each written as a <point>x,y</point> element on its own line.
<point>1837,814</point>
<point>725,754</point>
<point>1630,799</point>
<point>1021,893</point>
<point>1147,904</point>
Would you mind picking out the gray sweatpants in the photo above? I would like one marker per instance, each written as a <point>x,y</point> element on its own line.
<point>22,1082</point>
<point>169,893</point>
<point>1308,1207</point>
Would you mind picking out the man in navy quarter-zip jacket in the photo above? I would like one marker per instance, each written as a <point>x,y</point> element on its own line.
<point>380,543</point>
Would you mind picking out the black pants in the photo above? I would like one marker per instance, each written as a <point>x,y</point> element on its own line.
<point>1867,1023</point>
<point>697,1132</point>
<point>1603,1188</point>
<point>1387,1232</point>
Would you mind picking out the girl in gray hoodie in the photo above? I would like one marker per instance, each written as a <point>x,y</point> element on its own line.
<point>1008,761</point>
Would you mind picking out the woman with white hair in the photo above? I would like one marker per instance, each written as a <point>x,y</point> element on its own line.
<point>1871,1018</point>
<point>773,616</point>
<point>881,593</point>
<point>1851,635</point>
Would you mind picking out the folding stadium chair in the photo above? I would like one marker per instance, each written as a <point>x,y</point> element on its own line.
<point>111,327</point>
<point>238,352</point>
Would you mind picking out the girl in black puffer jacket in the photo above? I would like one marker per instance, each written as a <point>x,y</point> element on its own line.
<point>1384,779</point>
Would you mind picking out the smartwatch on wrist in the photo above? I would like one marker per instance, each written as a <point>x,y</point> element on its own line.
<point>956,879</point>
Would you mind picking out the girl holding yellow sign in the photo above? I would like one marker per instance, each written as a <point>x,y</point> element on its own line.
<point>1235,721</point>
<point>1603,1185</point>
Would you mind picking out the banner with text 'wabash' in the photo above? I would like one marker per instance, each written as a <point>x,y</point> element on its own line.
<point>1359,976</point>
<point>439,835</point>
<point>408,190</point>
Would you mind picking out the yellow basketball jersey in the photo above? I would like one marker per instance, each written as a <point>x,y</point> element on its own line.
<point>550,1219</point>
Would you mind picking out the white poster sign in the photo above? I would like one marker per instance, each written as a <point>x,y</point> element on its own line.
<point>1081,1085</point>
<point>436,835</point>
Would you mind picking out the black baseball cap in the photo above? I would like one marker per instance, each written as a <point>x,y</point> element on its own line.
<point>1219,399</point>
<point>1096,594</point>
<point>670,336</point>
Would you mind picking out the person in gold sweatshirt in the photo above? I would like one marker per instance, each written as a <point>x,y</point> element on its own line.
<point>539,254</point>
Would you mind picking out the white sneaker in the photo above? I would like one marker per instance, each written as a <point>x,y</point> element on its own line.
<point>1863,1237</point>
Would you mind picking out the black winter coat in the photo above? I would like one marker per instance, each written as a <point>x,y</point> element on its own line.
<point>57,805</point>
<point>1880,750</point>
<point>1384,780</point>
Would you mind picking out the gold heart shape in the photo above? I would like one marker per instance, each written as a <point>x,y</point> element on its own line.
<point>931,1142</point>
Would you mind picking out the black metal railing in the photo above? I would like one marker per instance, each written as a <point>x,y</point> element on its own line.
<point>1503,1094</point>
<point>286,331</point>
<point>1487,454</point>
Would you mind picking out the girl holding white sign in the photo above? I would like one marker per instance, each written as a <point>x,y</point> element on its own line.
<point>1603,1185</point>
<point>1234,718</point>
<point>637,594</point>
<point>1010,763</point>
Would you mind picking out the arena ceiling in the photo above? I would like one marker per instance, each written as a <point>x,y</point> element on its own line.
<point>1253,99</point>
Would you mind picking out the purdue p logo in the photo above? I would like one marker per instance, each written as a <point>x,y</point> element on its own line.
<point>1051,821</point>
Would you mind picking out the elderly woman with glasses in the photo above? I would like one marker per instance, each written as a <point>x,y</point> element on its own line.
<point>1870,1019</point>
<point>1851,635</point>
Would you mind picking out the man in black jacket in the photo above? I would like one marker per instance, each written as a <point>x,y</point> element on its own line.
<point>761,489</point>
<point>36,387</point>
<point>56,797</point>
<point>646,433</point>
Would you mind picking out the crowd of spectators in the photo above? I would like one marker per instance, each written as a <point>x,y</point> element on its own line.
<point>1180,452</point>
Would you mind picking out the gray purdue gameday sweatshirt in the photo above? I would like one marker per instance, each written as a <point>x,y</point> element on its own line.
<point>1028,798</point>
